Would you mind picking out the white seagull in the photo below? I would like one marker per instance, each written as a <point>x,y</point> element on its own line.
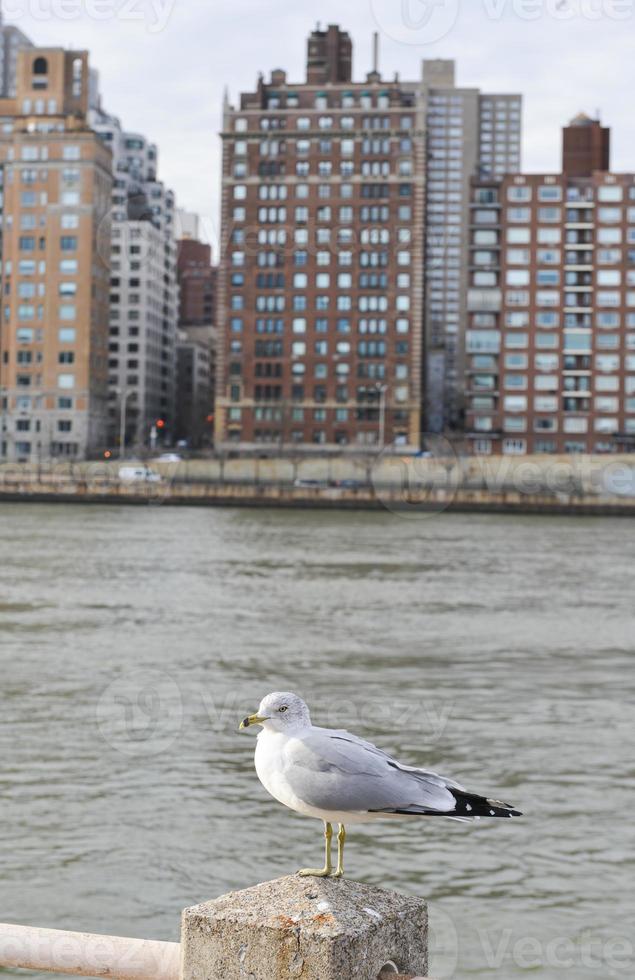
<point>339,778</point>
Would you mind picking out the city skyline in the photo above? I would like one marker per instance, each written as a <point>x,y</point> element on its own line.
<point>551,60</point>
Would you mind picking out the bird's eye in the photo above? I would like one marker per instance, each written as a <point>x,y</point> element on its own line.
<point>283,708</point>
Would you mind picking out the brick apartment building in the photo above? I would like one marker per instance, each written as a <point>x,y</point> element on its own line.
<point>550,336</point>
<point>197,283</point>
<point>196,346</point>
<point>321,276</point>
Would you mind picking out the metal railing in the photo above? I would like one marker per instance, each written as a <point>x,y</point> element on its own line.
<point>85,955</point>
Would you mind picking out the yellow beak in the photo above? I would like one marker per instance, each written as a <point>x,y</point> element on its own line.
<point>252,720</point>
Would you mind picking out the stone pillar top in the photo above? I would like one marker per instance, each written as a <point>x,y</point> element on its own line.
<point>305,928</point>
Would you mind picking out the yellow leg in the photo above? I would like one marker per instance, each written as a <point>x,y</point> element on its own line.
<point>327,870</point>
<point>341,840</point>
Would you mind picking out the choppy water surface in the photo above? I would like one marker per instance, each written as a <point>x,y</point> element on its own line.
<point>498,649</point>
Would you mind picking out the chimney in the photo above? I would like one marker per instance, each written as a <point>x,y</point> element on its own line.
<point>586,147</point>
<point>375,75</point>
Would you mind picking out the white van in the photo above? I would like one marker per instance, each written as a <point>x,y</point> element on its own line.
<point>138,474</point>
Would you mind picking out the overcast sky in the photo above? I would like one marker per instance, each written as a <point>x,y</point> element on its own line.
<point>164,63</point>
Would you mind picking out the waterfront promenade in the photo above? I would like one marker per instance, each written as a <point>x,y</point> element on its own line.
<point>600,485</point>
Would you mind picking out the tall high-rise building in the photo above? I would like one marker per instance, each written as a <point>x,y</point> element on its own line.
<point>321,275</point>
<point>196,348</point>
<point>144,290</point>
<point>468,133</point>
<point>12,40</point>
<point>197,283</point>
<point>56,187</point>
<point>551,331</point>
<point>195,388</point>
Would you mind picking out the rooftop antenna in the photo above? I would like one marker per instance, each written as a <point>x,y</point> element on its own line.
<point>598,114</point>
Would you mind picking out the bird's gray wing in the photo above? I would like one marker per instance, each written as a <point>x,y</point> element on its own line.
<point>345,736</point>
<point>336,771</point>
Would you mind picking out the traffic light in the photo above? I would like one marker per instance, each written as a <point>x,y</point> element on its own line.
<point>160,423</point>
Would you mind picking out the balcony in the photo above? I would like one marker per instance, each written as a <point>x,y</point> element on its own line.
<point>483,364</point>
<point>576,402</point>
<point>580,211</point>
<point>576,362</point>
<point>577,384</point>
<point>582,303</point>
<point>483,384</point>
<point>579,239</point>
<point>580,197</point>
<point>484,434</point>
<point>482,341</point>
<point>484,300</point>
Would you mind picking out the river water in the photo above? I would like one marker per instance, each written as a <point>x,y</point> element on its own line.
<point>499,650</point>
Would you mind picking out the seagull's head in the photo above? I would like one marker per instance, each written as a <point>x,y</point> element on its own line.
<point>280,712</point>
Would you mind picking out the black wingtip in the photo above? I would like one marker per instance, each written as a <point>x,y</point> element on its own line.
<point>471,805</point>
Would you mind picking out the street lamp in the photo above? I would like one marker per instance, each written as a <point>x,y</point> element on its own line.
<point>123,410</point>
<point>4,428</point>
<point>382,389</point>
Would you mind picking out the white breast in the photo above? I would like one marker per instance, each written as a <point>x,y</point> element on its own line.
<point>270,766</point>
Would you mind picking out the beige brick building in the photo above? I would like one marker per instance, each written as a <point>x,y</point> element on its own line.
<point>56,189</point>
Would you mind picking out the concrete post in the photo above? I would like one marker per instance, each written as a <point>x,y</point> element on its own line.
<point>305,929</point>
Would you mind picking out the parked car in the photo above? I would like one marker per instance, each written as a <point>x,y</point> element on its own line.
<point>350,484</point>
<point>138,474</point>
<point>310,484</point>
<point>169,458</point>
